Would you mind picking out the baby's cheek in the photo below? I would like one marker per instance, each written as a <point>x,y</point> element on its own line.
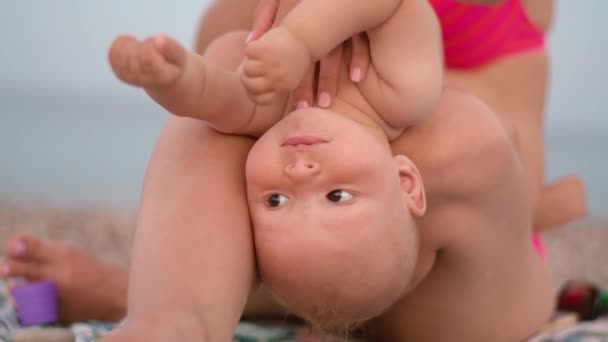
<point>272,247</point>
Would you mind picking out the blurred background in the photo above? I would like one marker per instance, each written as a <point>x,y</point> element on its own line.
<point>71,133</point>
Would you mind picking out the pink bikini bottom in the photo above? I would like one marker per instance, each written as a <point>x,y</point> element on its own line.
<point>539,246</point>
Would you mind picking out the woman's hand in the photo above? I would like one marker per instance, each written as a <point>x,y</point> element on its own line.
<point>320,84</point>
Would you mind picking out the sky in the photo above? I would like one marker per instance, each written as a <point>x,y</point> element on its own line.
<point>72,132</point>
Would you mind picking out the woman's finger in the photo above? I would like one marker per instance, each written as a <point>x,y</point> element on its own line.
<point>263,18</point>
<point>360,57</point>
<point>303,95</point>
<point>329,70</point>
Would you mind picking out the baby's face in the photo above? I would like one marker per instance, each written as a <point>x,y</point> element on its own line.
<point>333,234</point>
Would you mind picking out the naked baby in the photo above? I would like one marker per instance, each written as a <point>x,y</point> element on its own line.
<point>402,86</point>
<point>335,203</point>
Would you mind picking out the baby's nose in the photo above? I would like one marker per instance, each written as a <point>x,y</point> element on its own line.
<point>302,169</point>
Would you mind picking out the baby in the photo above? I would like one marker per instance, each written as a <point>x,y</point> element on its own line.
<point>336,206</point>
<point>324,182</point>
<point>322,188</point>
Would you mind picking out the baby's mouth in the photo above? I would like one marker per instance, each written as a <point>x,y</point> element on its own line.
<point>303,140</point>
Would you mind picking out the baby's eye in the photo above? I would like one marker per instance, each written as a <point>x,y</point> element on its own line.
<point>339,196</point>
<point>276,200</point>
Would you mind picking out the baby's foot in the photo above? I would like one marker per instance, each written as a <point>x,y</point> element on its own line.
<point>275,64</point>
<point>158,61</point>
<point>88,287</point>
<point>561,202</point>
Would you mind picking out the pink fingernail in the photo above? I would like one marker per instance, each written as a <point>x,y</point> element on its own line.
<point>249,38</point>
<point>324,100</point>
<point>302,104</point>
<point>355,75</point>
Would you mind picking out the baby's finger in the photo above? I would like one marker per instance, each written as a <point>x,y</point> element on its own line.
<point>263,18</point>
<point>303,95</point>
<point>329,71</point>
<point>360,57</point>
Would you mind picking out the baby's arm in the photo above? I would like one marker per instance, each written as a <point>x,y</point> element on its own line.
<point>322,25</point>
<point>277,61</point>
<point>187,84</point>
<point>405,78</point>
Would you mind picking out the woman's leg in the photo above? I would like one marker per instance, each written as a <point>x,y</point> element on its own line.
<point>193,260</point>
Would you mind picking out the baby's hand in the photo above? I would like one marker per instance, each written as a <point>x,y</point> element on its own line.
<point>274,64</point>
<point>155,62</point>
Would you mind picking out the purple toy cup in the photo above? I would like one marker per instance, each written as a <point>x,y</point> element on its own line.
<point>36,303</point>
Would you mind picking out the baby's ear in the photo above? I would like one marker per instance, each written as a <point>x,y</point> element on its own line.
<point>411,185</point>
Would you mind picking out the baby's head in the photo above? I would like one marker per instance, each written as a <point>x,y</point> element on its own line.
<point>333,211</point>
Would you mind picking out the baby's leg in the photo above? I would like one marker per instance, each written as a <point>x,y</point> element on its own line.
<point>405,50</point>
<point>405,79</point>
<point>193,262</point>
<point>185,83</point>
<point>322,25</point>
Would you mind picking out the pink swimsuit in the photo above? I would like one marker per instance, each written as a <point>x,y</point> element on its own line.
<point>474,35</point>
